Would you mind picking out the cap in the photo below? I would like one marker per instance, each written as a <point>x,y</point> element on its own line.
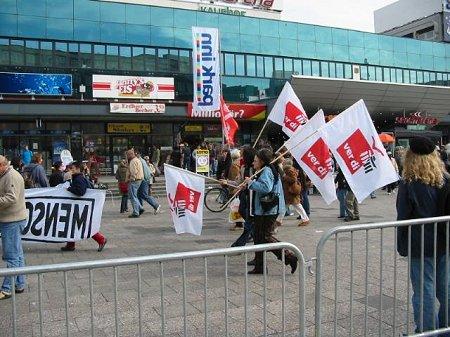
<point>421,145</point>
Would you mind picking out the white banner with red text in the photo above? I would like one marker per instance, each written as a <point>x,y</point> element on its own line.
<point>132,87</point>
<point>185,194</point>
<point>357,148</point>
<point>312,154</point>
<point>137,108</point>
<point>206,68</point>
<point>56,215</point>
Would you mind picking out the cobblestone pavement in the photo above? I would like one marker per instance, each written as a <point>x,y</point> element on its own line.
<point>153,234</point>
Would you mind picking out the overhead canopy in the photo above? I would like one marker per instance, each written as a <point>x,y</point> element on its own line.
<point>382,99</point>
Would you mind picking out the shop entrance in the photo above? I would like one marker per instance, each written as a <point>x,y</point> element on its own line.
<point>120,144</point>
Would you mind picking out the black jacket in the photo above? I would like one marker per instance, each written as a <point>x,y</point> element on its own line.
<point>417,200</point>
<point>79,184</point>
<point>341,181</point>
<point>56,178</point>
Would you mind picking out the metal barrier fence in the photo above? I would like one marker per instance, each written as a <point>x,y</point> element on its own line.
<point>374,288</point>
<point>134,282</point>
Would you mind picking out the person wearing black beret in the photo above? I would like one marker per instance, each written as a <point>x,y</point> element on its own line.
<point>424,193</point>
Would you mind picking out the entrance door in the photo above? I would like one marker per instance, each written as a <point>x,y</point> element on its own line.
<point>120,144</point>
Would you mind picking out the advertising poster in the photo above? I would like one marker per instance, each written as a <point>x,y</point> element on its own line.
<point>35,84</point>
<point>251,112</point>
<point>132,87</point>
<point>137,108</point>
<point>202,161</point>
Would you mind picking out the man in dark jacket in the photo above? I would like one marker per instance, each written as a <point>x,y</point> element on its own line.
<point>341,191</point>
<point>34,174</point>
<point>78,186</point>
<point>57,177</point>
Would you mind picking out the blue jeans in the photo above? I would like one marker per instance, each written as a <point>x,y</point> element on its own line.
<point>245,236</point>
<point>12,251</point>
<point>133,188</point>
<point>341,193</point>
<point>429,300</point>
<point>305,201</point>
<point>143,195</point>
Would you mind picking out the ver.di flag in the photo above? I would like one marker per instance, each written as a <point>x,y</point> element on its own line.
<point>355,144</point>
<point>288,111</point>
<point>312,154</point>
<point>185,193</point>
<point>229,124</point>
<point>206,69</point>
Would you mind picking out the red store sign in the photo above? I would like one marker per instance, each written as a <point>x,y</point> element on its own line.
<point>253,112</point>
<point>416,119</point>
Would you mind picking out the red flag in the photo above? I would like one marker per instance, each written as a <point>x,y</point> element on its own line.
<point>229,124</point>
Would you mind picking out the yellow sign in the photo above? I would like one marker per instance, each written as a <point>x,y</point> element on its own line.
<point>202,161</point>
<point>128,128</point>
<point>193,128</point>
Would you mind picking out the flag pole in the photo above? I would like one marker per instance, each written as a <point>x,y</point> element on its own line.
<point>198,175</point>
<point>260,132</point>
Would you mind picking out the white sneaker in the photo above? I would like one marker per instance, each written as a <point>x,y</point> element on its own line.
<point>158,210</point>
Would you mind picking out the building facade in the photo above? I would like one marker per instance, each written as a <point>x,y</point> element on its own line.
<point>259,53</point>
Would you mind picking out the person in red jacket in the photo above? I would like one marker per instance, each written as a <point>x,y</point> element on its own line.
<point>78,186</point>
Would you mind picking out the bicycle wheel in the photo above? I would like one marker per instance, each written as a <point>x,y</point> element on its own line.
<point>215,198</point>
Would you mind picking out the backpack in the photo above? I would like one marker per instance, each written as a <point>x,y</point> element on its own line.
<point>29,180</point>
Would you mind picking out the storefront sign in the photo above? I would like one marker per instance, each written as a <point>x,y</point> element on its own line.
<point>253,112</point>
<point>259,4</point>
<point>202,161</point>
<point>137,108</point>
<point>193,128</point>
<point>35,84</point>
<point>416,119</point>
<point>128,128</point>
<point>133,87</point>
<point>221,10</point>
<point>214,129</point>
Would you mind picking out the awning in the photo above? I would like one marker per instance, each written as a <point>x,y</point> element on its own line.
<point>382,99</point>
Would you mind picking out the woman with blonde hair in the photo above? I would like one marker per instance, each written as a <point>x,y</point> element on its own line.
<point>424,193</point>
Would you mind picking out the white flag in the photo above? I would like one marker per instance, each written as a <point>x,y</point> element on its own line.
<point>312,154</point>
<point>206,69</point>
<point>358,150</point>
<point>288,111</point>
<point>185,193</point>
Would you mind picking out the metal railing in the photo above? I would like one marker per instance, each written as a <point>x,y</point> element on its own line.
<point>68,269</point>
<point>353,279</point>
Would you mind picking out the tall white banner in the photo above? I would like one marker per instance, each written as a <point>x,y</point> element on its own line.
<point>185,193</point>
<point>288,111</point>
<point>312,154</point>
<point>56,215</point>
<point>357,148</point>
<point>206,69</point>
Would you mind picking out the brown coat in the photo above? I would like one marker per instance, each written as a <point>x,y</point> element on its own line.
<point>291,186</point>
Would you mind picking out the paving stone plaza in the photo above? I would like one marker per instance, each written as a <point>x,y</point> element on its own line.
<point>153,234</point>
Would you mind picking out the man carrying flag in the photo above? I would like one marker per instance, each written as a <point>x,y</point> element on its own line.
<point>229,124</point>
<point>354,142</point>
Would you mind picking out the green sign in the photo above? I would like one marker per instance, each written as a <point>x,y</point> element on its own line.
<point>222,10</point>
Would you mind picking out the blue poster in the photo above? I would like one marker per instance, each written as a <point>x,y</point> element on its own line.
<point>36,84</point>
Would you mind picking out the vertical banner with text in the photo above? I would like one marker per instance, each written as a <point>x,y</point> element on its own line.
<point>206,69</point>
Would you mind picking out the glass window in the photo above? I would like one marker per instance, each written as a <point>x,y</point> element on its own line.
<point>32,53</point>
<point>340,36</point>
<point>315,68</point>
<point>298,66</point>
<point>137,14</point>
<point>279,68</point>
<point>288,67</point>
<point>364,73</point>
<point>323,34</point>
<point>87,10</point>
<point>9,24</point>
<point>17,52</point>
<point>371,74</point>
<point>31,26</point>
<point>426,77</point>
<point>112,57</point>
<point>348,71</point>
<point>339,70</point>
<point>393,75</point>
<point>268,27</point>
<point>432,78</point>
<point>185,62</point>
<point>386,75</point>
<point>187,19</point>
<point>399,75</point>
<point>113,32</point>
<point>406,76</point>
<point>229,64</point>
<point>306,66</point>
<point>163,60</point>
<point>138,58</point>
<point>420,77</point>
<point>162,36</point>
<point>150,59</point>
<point>112,12</point>
<point>4,51</point>
<point>59,29</point>
<point>240,65</point>
<point>60,54</point>
<point>85,55</point>
<point>138,34</point>
<point>9,6</point>
<point>259,66</point>
<point>370,40</point>
<point>379,74</point>
<point>162,17</point>
<point>73,55</point>
<point>268,66</point>
<point>86,30</point>
<point>386,42</point>
<point>413,76</point>
<point>324,69</point>
<point>99,56</point>
<point>173,60</point>
<point>251,65</point>
<point>125,58</point>
<point>306,33</point>
<point>355,39</point>
<point>287,30</point>
<point>332,67</point>
<point>439,79</point>
<point>46,54</point>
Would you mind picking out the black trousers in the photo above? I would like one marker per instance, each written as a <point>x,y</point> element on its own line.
<point>263,233</point>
